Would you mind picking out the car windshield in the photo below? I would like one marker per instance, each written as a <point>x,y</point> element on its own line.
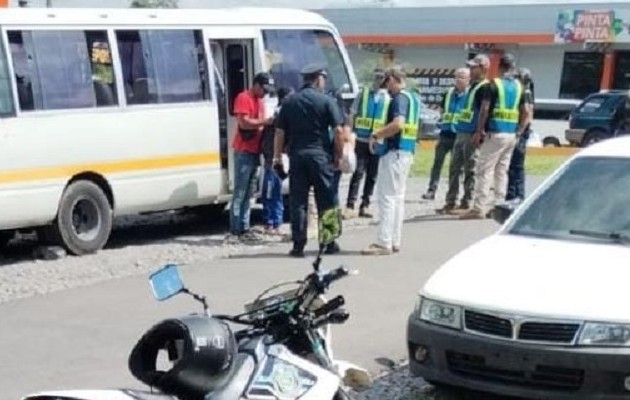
<point>589,200</point>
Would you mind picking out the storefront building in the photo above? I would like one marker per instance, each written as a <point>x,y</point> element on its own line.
<point>572,48</point>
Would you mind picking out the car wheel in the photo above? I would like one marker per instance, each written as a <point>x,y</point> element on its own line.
<point>551,141</point>
<point>593,137</point>
<point>84,219</point>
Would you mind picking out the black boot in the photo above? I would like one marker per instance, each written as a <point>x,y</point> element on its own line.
<point>332,248</point>
<point>297,250</point>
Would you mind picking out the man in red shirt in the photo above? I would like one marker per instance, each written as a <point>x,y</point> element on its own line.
<point>249,112</point>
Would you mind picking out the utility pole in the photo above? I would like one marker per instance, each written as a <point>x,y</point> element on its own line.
<point>23,3</point>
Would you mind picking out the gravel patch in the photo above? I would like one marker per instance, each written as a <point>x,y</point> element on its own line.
<point>398,384</point>
<point>141,244</point>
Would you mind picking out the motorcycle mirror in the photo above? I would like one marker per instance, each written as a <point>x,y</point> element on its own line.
<point>166,282</point>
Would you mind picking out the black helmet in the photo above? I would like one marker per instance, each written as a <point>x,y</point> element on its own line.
<point>201,348</point>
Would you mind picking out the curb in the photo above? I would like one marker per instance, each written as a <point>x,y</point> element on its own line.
<point>533,151</point>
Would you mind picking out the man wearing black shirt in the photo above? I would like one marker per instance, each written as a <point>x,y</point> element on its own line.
<point>503,117</point>
<point>304,122</point>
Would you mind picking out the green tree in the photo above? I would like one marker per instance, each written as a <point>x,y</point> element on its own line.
<point>154,3</point>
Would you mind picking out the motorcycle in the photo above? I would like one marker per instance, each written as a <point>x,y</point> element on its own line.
<point>283,352</point>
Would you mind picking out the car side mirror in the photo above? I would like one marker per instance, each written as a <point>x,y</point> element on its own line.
<point>502,212</point>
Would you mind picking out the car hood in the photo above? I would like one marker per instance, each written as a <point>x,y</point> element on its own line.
<point>538,277</point>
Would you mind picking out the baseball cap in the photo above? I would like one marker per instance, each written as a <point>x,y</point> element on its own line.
<point>480,60</point>
<point>507,61</point>
<point>264,80</point>
<point>395,72</point>
<point>525,73</point>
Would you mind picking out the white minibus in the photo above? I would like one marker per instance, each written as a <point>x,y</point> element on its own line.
<point>112,112</point>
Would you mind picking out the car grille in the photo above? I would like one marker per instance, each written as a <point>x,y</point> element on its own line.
<point>527,331</point>
<point>541,377</point>
<point>547,332</point>
<point>488,324</point>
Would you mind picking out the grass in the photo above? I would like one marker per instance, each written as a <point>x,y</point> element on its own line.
<point>536,163</point>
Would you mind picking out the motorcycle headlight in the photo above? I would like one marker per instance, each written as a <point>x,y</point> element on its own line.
<point>440,313</point>
<point>600,334</point>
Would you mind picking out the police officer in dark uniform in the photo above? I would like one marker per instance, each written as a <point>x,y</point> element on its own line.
<point>304,123</point>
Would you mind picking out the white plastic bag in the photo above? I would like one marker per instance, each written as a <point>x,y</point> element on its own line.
<point>348,162</point>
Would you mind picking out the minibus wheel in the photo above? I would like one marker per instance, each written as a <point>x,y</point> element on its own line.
<point>84,219</point>
<point>5,237</point>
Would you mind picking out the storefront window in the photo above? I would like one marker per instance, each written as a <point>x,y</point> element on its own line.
<point>581,74</point>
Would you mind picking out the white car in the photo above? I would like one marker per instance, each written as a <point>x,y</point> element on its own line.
<point>540,309</point>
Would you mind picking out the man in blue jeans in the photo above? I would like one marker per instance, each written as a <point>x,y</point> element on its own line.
<point>249,111</point>
<point>273,205</point>
<point>516,172</point>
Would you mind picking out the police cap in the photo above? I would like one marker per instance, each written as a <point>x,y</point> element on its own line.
<point>314,70</point>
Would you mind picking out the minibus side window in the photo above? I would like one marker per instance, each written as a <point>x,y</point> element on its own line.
<point>6,97</point>
<point>290,50</point>
<point>58,70</point>
<point>163,66</point>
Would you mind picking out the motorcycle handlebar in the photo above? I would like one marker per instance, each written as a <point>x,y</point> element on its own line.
<point>330,306</point>
<point>334,275</point>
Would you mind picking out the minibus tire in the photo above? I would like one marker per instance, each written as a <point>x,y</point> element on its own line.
<point>85,204</point>
<point>5,238</point>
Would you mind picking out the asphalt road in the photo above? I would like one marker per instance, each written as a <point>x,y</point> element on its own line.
<point>80,338</point>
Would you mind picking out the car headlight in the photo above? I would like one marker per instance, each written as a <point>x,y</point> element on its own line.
<point>440,313</point>
<point>600,334</point>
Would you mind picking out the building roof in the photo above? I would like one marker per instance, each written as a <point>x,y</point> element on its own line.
<point>121,16</point>
<point>480,21</point>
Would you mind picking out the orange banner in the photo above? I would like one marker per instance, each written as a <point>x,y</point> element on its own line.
<point>4,3</point>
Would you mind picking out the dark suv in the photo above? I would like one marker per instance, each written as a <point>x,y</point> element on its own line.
<point>595,118</point>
